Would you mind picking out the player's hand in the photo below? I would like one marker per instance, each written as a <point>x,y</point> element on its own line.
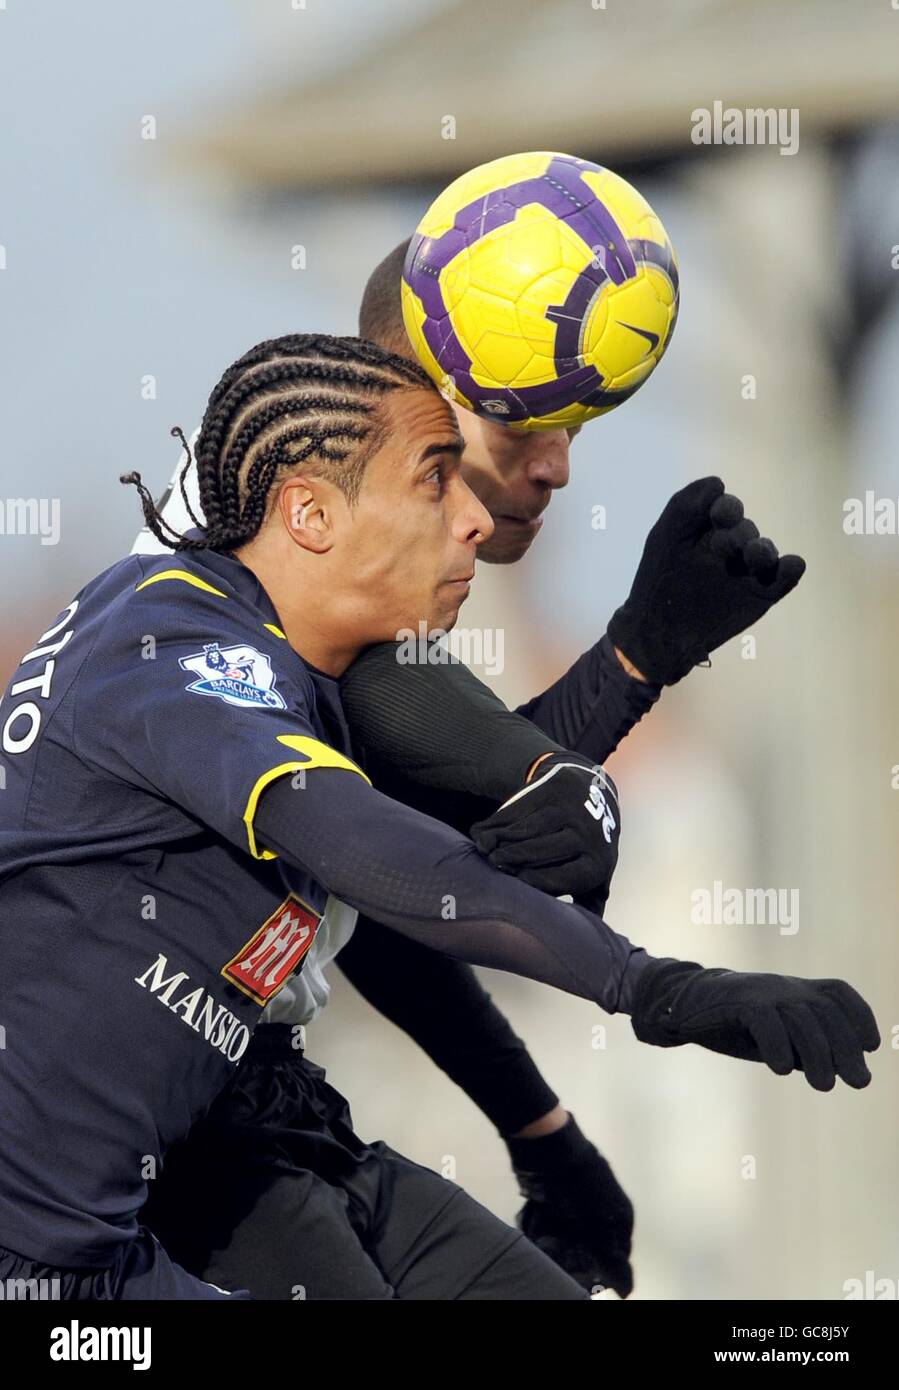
<point>560,832</point>
<point>575,1210</point>
<point>820,1027</point>
<point>705,576</point>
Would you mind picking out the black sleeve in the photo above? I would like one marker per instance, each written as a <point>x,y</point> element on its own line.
<point>433,736</point>
<point>591,708</point>
<point>436,724</point>
<point>422,879</point>
<point>442,1005</point>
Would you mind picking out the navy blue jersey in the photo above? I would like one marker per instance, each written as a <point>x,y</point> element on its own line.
<point>142,928</point>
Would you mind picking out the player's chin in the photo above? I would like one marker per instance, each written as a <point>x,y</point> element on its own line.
<point>509,542</point>
<point>447,603</point>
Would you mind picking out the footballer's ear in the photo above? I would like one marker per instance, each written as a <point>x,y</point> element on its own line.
<point>307,507</point>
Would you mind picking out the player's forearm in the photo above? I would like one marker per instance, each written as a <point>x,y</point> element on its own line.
<point>447,731</point>
<point>440,1003</point>
<point>594,705</point>
<point>428,882</point>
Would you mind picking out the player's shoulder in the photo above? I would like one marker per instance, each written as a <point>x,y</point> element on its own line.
<point>184,590</point>
<point>159,602</point>
<point>192,572</point>
<point>171,592</point>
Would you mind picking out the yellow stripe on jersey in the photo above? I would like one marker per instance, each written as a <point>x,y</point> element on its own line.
<point>317,755</point>
<point>186,578</point>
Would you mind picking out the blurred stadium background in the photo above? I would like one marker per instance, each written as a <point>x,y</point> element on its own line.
<point>321,125</point>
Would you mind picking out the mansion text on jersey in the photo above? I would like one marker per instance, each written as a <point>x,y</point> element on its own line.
<point>197,1008</point>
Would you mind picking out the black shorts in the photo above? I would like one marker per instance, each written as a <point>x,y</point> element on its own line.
<point>140,1270</point>
<point>274,1192</point>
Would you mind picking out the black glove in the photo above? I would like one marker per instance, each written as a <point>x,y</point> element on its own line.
<point>705,576</point>
<point>575,1210</point>
<point>560,832</point>
<point>821,1027</point>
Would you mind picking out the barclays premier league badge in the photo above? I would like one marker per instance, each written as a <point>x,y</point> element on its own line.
<point>238,675</point>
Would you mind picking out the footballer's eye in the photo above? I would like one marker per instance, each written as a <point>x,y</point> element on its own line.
<point>437,471</point>
<point>438,474</point>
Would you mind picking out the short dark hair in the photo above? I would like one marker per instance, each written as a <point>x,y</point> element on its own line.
<point>381,310</point>
<point>308,398</point>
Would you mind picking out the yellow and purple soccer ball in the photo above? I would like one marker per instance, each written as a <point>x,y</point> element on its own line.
<point>540,290</point>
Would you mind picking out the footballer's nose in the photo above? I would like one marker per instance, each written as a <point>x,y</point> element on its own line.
<point>471,520</point>
<point>549,465</point>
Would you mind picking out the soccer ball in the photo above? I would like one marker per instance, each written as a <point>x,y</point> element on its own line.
<point>540,290</point>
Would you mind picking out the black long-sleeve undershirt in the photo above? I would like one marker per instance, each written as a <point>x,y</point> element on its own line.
<point>442,1005</point>
<point>428,882</point>
<point>594,705</point>
<point>436,999</point>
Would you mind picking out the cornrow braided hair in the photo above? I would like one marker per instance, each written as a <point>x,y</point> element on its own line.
<point>307,398</point>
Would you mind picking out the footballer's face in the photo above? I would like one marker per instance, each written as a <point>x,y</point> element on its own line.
<point>416,526</point>
<point>514,473</point>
